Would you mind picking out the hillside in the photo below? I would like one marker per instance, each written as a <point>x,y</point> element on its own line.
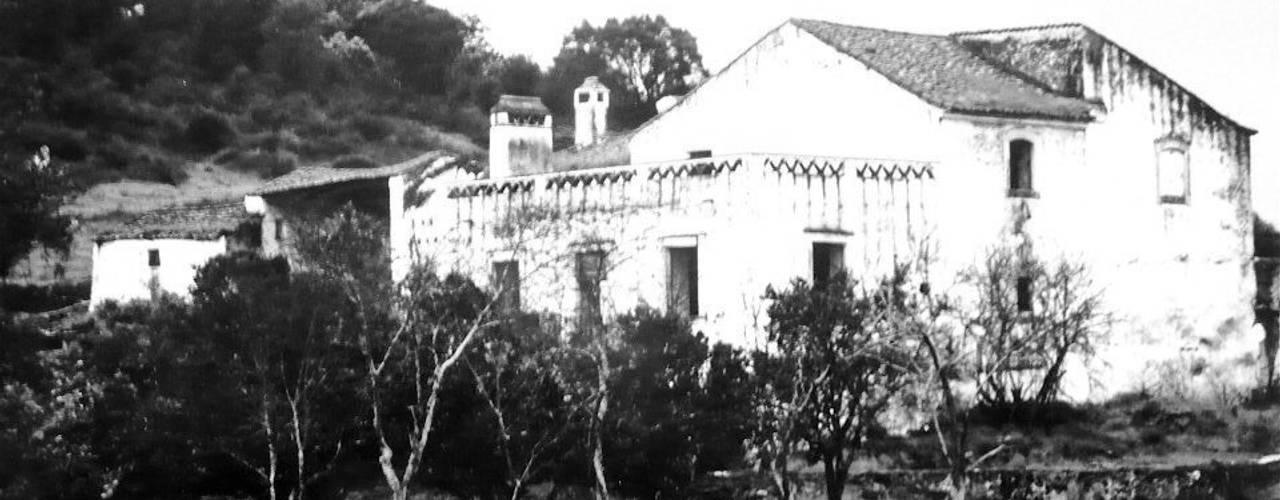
<point>168,102</point>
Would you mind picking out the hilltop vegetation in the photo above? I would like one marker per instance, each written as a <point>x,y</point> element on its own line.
<point>135,90</point>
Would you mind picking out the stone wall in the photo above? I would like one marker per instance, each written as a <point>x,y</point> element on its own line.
<point>1242,481</point>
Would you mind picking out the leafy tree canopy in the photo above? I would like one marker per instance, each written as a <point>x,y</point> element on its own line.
<point>641,59</point>
<point>31,192</point>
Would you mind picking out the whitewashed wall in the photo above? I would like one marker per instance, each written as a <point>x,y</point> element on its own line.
<point>1177,277</point>
<point>754,219</point>
<point>793,94</point>
<point>121,271</point>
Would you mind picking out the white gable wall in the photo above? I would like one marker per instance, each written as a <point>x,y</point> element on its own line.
<point>791,93</point>
<point>121,271</point>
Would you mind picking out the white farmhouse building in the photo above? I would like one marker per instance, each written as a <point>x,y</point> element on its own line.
<point>827,146</point>
<point>159,252</point>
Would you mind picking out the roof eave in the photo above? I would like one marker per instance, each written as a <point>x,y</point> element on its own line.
<point>1081,120</point>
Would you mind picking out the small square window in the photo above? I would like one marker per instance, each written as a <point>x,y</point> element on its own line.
<point>1025,303</point>
<point>583,97</point>
<point>153,257</point>
<point>600,97</point>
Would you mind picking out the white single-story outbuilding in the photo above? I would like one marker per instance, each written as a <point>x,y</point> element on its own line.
<point>159,252</point>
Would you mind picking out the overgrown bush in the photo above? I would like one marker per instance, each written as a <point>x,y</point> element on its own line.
<point>209,132</point>
<point>64,143</point>
<point>329,146</point>
<point>354,162</point>
<point>373,128</point>
<point>1259,434</point>
<point>37,298</point>
<point>149,166</point>
<point>265,164</point>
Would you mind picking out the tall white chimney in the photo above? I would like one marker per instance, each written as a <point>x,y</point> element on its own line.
<point>590,109</point>
<point>519,137</point>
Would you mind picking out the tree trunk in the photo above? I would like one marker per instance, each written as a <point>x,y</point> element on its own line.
<point>834,477</point>
<point>299,444</point>
<point>959,485</point>
<point>778,468</point>
<point>780,481</point>
<point>271,448</point>
<point>602,409</point>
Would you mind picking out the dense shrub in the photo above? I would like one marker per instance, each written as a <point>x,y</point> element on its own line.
<point>156,168</point>
<point>373,128</point>
<point>266,164</point>
<point>1260,434</point>
<point>209,132</point>
<point>37,298</point>
<point>328,146</point>
<point>354,161</point>
<point>64,143</point>
<point>672,419</point>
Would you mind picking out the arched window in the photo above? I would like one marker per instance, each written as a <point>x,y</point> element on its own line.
<point>1172,169</point>
<point>1020,168</point>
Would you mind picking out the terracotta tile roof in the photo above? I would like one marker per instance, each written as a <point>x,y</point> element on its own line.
<point>1053,53</point>
<point>941,71</point>
<point>520,104</point>
<point>324,175</point>
<point>198,222</point>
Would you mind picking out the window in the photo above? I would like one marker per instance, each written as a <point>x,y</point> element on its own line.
<point>701,153</point>
<point>828,260</point>
<point>590,272</point>
<point>153,257</point>
<point>600,96</point>
<point>682,280</point>
<point>506,284</point>
<point>1172,170</point>
<point>279,229</point>
<point>1024,294</point>
<point>583,97</point>
<point>1020,168</point>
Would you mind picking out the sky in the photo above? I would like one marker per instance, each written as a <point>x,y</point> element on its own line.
<point>1225,51</point>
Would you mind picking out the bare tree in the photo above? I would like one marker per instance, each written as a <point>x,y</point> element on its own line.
<point>409,334</point>
<point>1011,339</point>
<point>1029,316</point>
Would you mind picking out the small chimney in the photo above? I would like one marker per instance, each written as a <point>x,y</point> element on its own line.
<point>590,108</point>
<point>667,102</point>
<point>519,137</point>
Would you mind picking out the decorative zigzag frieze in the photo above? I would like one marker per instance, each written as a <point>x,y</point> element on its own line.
<point>698,168</point>
<point>589,178</point>
<point>491,188</point>
<point>895,172</point>
<point>809,167</point>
